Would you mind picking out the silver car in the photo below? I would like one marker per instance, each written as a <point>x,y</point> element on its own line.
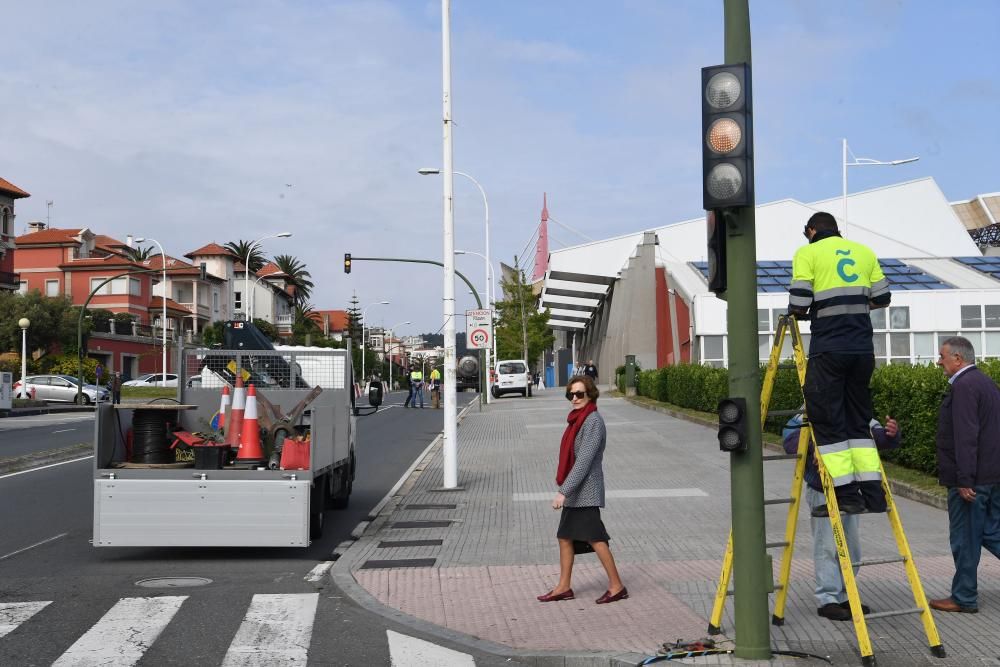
<point>63,389</point>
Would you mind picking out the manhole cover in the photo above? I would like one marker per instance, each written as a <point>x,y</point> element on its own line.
<point>173,582</point>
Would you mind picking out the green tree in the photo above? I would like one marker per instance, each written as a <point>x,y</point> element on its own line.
<point>140,253</point>
<point>354,320</point>
<point>242,248</point>
<point>53,321</point>
<point>304,325</point>
<point>518,320</point>
<point>213,334</point>
<point>297,276</point>
<point>267,329</point>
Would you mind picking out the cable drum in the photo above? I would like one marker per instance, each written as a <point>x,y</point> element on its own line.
<point>150,443</point>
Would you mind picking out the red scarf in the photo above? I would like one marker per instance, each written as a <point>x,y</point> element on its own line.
<point>567,455</point>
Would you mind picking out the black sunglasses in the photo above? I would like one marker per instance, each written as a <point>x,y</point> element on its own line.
<point>570,395</point>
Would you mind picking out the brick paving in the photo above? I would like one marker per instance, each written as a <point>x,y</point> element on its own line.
<point>499,551</point>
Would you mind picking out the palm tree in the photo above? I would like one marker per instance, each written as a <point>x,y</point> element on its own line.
<point>139,253</point>
<point>297,276</point>
<point>242,248</point>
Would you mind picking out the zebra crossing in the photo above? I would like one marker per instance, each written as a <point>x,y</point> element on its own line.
<point>276,630</point>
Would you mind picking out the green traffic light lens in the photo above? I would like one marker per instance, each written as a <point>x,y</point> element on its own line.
<point>723,90</point>
<point>729,439</point>
<point>724,181</point>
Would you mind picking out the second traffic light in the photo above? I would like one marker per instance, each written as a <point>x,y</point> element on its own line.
<point>727,136</point>
<point>733,424</point>
<point>347,262</point>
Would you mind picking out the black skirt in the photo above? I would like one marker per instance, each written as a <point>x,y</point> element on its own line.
<point>583,525</point>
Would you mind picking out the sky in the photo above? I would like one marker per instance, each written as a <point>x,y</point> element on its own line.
<point>192,122</point>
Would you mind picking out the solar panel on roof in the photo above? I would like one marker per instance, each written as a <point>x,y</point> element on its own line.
<point>890,262</point>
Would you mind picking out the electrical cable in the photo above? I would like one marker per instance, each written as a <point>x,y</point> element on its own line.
<point>149,436</point>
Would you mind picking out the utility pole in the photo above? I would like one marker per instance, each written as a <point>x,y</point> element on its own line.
<point>753,578</point>
<point>520,300</point>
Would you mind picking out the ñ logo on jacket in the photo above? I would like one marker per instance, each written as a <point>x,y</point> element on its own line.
<point>843,265</point>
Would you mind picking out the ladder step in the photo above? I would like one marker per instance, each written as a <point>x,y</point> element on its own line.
<point>780,457</point>
<point>895,612</point>
<point>782,413</point>
<point>880,561</point>
<point>777,587</point>
<point>779,501</point>
<point>772,545</point>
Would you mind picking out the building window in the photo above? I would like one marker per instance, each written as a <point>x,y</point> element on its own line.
<point>134,287</point>
<point>51,288</point>
<point>879,342</point>
<point>942,337</point>
<point>972,317</point>
<point>6,222</point>
<point>713,351</point>
<point>899,317</point>
<point>878,319</point>
<point>923,348</point>
<point>763,346</point>
<point>763,321</point>
<point>237,301</point>
<point>215,302</point>
<point>899,348</point>
<point>992,346</point>
<point>992,316</point>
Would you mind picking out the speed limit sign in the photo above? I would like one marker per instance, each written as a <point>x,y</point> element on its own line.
<point>479,329</point>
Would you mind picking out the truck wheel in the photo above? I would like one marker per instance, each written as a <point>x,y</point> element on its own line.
<point>317,508</point>
<point>342,499</point>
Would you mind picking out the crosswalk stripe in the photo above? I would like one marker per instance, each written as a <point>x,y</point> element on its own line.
<point>123,634</point>
<point>406,651</point>
<point>276,630</point>
<point>13,614</point>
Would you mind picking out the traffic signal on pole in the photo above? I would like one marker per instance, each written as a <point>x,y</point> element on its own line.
<point>716,225</point>
<point>347,262</point>
<point>733,424</point>
<point>727,136</point>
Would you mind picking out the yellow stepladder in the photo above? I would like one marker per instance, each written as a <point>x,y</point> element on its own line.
<point>789,325</point>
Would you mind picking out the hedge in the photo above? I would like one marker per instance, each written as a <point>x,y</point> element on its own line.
<point>910,394</point>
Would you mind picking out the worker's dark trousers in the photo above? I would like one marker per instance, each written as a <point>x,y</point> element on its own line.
<point>839,407</point>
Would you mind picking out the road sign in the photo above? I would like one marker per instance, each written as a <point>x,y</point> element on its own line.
<point>479,329</point>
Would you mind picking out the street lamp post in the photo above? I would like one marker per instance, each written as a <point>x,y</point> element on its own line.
<point>163,298</point>
<point>364,315</point>
<point>246,266</point>
<point>24,323</point>
<point>391,331</point>
<point>492,299</point>
<point>862,162</point>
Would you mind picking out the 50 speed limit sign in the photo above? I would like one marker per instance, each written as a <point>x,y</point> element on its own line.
<point>479,329</point>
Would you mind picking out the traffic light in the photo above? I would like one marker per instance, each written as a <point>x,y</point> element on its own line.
<point>716,225</point>
<point>347,262</point>
<point>727,136</point>
<point>733,424</point>
<point>203,271</point>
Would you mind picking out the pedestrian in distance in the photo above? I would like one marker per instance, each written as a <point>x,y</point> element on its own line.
<point>435,385</point>
<point>115,386</point>
<point>580,476</point>
<point>831,596</point>
<point>835,284</point>
<point>410,385</point>
<point>968,456</point>
<point>590,370</point>
<point>416,387</point>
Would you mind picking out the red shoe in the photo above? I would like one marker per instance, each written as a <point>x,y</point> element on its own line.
<point>549,597</point>
<point>608,597</point>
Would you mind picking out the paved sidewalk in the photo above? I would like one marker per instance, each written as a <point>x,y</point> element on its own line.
<point>494,550</point>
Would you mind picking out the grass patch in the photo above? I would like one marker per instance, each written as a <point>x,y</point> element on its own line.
<point>149,392</point>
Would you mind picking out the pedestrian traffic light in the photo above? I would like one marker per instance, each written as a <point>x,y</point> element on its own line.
<point>727,136</point>
<point>733,424</point>
<point>716,225</point>
<point>347,262</point>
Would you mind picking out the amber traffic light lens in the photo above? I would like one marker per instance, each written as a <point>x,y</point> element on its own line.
<point>724,135</point>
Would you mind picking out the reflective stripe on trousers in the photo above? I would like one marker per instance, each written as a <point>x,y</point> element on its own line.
<point>854,460</point>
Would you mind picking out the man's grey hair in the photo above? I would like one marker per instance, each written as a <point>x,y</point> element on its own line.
<point>962,347</point>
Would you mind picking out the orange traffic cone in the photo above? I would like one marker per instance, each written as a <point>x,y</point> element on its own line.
<point>250,449</point>
<point>236,416</point>
<point>223,408</point>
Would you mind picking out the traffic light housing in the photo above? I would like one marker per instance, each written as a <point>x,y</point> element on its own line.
<point>727,137</point>
<point>716,226</point>
<point>733,424</point>
<point>347,262</point>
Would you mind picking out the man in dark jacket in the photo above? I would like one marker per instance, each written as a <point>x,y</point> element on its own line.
<point>968,453</point>
<point>831,596</point>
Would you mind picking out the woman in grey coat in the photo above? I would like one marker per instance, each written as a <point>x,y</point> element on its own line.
<point>581,493</point>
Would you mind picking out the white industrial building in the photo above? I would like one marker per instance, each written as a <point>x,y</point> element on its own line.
<point>647,293</point>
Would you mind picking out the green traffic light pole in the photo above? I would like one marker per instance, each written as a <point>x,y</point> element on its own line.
<point>79,325</point>
<point>752,576</point>
<point>479,304</point>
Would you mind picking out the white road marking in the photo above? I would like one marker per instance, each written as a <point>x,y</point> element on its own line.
<point>621,493</point>
<point>51,465</point>
<point>319,571</point>
<point>123,634</point>
<point>32,546</point>
<point>13,614</point>
<point>276,630</point>
<point>64,430</point>
<point>405,651</point>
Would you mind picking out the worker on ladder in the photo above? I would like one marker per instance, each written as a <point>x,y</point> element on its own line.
<point>835,283</point>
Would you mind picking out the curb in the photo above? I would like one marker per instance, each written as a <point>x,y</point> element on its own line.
<point>48,457</point>
<point>901,489</point>
<point>30,412</point>
<point>365,532</point>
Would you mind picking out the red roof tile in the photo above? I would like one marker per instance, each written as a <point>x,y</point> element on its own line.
<point>271,269</point>
<point>49,236</point>
<point>338,319</point>
<point>11,189</point>
<point>156,303</point>
<point>212,249</point>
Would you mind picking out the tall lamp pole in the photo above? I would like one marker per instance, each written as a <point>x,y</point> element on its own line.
<point>862,162</point>
<point>364,315</point>
<point>24,323</point>
<point>490,281</point>
<point>246,266</point>
<point>163,298</point>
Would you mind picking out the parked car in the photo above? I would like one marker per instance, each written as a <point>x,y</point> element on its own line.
<point>63,388</point>
<point>153,380</point>
<point>512,378</point>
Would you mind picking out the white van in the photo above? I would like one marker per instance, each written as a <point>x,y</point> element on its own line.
<point>512,378</point>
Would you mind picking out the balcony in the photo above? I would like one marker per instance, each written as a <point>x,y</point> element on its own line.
<point>9,280</point>
<point>284,323</point>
